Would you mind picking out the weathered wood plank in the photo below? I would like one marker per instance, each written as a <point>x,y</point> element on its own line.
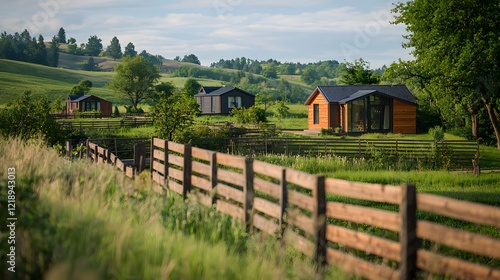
<point>265,225</point>
<point>201,183</point>
<point>301,200</point>
<point>175,147</point>
<point>176,160</point>
<point>364,215</point>
<point>464,210</point>
<point>267,187</point>
<point>120,165</point>
<point>267,207</point>
<point>230,160</point>
<point>301,221</point>
<point>201,154</point>
<point>230,193</point>
<point>440,264</point>
<point>160,143</point>
<point>372,192</point>
<point>129,171</point>
<point>176,174</point>
<point>230,209</point>
<point>267,169</point>
<point>357,266</point>
<point>176,187</point>
<point>364,242</point>
<point>463,240</point>
<point>159,167</point>
<point>159,179</point>
<point>301,243</point>
<point>230,177</point>
<point>159,155</point>
<point>301,179</point>
<point>201,168</point>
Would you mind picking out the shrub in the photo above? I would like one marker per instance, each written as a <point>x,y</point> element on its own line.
<point>116,112</point>
<point>437,133</point>
<point>252,115</point>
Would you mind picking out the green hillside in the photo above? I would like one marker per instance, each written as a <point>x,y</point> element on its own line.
<point>55,83</point>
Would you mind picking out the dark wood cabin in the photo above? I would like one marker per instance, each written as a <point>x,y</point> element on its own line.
<point>221,100</point>
<point>85,103</point>
<point>361,109</point>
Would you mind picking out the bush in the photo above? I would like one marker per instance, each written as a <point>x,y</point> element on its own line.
<point>252,115</point>
<point>116,112</point>
<point>437,133</point>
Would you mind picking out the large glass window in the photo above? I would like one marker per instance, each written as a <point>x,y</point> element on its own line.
<point>234,102</point>
<point>316,113</point>
<point>357,116</point>
<point>372,113</point>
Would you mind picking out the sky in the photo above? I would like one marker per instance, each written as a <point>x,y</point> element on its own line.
<point>288,30</point>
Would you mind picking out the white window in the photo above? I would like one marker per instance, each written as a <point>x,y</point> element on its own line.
<point>234,102</point>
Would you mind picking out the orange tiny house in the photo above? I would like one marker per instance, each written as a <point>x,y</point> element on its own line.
<point>360,109</point>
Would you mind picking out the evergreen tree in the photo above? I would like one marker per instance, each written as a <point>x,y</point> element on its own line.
<point>61,36</point>
<point>130,50</point>
<point>53,55</point>
<point>114,50</point>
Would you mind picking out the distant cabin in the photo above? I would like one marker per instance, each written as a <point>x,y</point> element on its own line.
<point>221,100</point>
<point>85,103</point>
<point>361,109</point>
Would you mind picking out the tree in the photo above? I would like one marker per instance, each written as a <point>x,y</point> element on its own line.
<point>90,65</point>
<point>264,99</point>
<point>114,49</point>
<point>130,50</point>
<point>270,72</point>
<point>310,76</point>
<point>53,55</point>
<point>82,88</point>
<point>61,36</point>
<point>134,79</point>
<point>94,46</point>
<point>29,118</point>
<point>165,89</point>
<point>192,86</point>
<point>281,110</point>
<point>174,113</point>
<point>456,46</point>
<point>191,59</point>
<point>359,73</point>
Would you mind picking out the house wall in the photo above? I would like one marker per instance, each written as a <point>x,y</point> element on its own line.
<point>323,112</point>
<point>106,108</point>
<point>334,115</point>
<point>247,101</point>
<point>404,116</point>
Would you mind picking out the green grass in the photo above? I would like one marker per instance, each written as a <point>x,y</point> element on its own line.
<point>87,220</point>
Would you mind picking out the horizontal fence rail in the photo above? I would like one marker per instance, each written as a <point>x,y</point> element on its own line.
<point>106,124</point>
<point>369,230</point>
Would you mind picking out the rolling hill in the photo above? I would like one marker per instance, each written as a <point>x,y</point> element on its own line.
<point>55,83</point>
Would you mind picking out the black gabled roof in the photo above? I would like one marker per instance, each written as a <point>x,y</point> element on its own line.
<point>220,91</point>
<point>344,94</point>
<point>77,98</point>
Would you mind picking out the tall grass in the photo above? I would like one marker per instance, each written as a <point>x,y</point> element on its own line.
<point>82,220</point>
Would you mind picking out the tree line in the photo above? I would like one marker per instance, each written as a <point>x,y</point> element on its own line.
<point>23,47</point>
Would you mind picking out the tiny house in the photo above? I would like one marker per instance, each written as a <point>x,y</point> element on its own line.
<point>221,100</point>
<point>358,109</point>
<point>85,103</point>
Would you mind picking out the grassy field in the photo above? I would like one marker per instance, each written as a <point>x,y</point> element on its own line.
<point>81,221</point>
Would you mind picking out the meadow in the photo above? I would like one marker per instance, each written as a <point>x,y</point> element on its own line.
<point>81,220</point>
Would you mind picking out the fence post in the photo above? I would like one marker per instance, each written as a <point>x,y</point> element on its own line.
<point>286,148</point>
<point>186,181</point>
<point>408,237</point>
<point>151,156</point>
<point>283,201</point>
<point>68,148</point>
<point>213,176</point>
<point>87,148</point>
<point>139,156</point>
<point>248,191</point>
<point>319,218</point>
<point>165,171</point>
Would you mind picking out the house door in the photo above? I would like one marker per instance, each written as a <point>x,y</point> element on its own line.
<point>379,114</point>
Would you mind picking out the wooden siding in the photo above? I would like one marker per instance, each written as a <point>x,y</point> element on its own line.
<point>323,112</point>
<point>404,117</point>
<point>335,115</point>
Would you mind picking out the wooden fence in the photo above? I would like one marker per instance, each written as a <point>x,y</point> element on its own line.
<point>460,154</point>
<point>312,213</point>
<point>106,124</point>
<point>131,167</point>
